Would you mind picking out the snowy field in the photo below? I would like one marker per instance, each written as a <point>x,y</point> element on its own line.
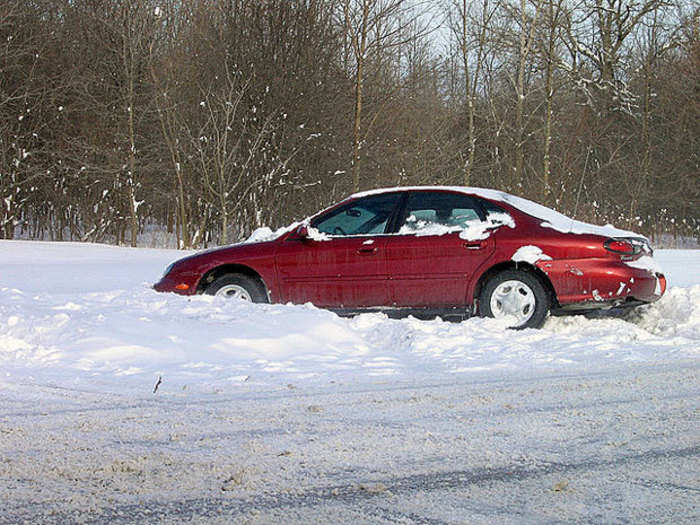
<point>270,413</point>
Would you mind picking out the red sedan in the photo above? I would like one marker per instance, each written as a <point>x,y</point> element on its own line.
<point>433,251</point>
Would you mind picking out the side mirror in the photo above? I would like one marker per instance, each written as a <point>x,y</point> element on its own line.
<point>302,232</point>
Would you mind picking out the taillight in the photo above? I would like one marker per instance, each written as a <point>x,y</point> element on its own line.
<point>623,246</point>
<point>662,283</point>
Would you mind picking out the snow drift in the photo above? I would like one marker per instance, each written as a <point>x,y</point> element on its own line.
<point>85,315</point>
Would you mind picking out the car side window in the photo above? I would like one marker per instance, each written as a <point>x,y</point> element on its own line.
<point>367,216</point>
<point>436,213</point>
<point>495,215</point>
<point>490,207</point>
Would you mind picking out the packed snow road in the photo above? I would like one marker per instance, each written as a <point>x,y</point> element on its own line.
<point>265,414</point>
<point>606,448</point>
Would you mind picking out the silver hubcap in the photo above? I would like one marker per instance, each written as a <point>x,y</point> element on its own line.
<point>233,291</point>
<point>513,298</point>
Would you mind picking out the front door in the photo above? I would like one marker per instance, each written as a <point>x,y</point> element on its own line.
<point>341,272</point>
<point>342,263</point>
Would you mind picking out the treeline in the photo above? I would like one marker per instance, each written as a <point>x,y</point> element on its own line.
<point>209,118</point>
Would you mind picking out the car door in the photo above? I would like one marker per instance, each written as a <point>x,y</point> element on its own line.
<point>434,253</point>
<point>342,263</point>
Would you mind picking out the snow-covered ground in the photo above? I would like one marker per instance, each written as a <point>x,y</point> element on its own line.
<point>271,412</point>
<point>85,316</point>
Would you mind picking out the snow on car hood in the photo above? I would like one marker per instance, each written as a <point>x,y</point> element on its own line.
<point>266,234</point>
<point>549,217</point>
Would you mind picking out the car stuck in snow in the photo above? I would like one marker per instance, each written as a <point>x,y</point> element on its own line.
<point>427,251</point>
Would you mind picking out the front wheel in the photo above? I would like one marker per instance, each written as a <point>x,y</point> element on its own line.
<point>238,286</point>
<point>517,294</point>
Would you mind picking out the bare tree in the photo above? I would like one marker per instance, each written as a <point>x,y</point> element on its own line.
<point>527,24</point>
<point>653,41</point>
<point>136,27</point>
<point>472,47</point>
<point>212,118</point>
<point>599,32</point>
<point>373,28</point>
<point>552,22</point>
<point>235,150</point>
<point>166,74</point>
<point>24,96</point>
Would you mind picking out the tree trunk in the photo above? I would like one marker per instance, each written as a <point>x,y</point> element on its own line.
<point>130,180</point>
<point>359,79</point>
<point>549,94</point>
<point>470,99</point>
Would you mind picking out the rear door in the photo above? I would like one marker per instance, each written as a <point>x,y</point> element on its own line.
<point>343,263</point>
<point>434,254</point>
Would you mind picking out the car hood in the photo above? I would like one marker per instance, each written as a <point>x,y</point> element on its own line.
<point>260,236</point>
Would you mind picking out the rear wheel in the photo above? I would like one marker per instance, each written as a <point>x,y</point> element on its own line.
<point>516,294</point>
<point>238,286</point>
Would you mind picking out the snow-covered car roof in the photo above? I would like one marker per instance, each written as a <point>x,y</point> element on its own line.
<point>549,217</point>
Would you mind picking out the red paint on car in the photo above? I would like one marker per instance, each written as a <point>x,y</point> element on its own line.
<point>406,249</point>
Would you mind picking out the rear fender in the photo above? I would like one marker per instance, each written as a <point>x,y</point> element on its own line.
<point>599,280</point>
<point>512,265</point>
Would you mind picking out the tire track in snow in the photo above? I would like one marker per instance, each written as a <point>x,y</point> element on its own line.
<point>369,494</point>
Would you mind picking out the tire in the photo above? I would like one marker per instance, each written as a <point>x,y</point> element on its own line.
<point>518,293</point>
<point>239,286</point>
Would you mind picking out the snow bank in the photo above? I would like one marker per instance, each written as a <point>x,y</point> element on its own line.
<point>87,317</point>
<point>681,267</point>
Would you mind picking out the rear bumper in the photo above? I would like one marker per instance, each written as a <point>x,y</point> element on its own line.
<point>591,306</point>
<point>601,283</point>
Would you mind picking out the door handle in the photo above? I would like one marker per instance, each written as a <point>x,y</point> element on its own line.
<point>477,245</point>
<point>369,250</point>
